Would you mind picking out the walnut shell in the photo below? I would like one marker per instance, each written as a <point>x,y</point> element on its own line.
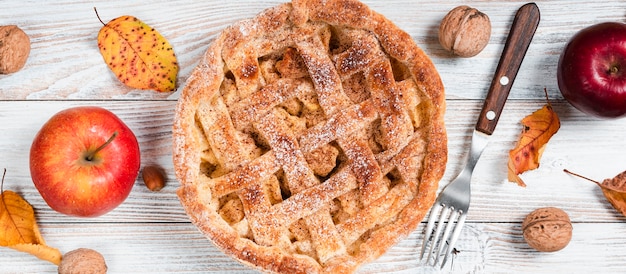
<point>14,49</point>
<point>547,229</point>
<point>465,31</point>
<point>82,261</point>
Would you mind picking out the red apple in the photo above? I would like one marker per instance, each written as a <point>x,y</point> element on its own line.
<point>84,161</point>
<point>592,70</point>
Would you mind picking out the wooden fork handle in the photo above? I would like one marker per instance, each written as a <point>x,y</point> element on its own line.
<point>521,34</point>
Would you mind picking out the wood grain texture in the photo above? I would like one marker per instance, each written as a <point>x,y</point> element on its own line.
<point>179,248</point>
<point>63,35</point>
<point>150,232</point>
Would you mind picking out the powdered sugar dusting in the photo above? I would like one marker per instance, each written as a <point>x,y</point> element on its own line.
<point>271,119</point>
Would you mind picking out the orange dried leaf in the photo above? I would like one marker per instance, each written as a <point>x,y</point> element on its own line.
<point>138,54</point>
<point>19,230</point>
<point>539,127</point>
<point>614,190</point>
<point>40,251</point>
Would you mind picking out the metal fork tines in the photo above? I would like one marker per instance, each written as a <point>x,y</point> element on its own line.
<point>455,219</point>
<point>451,206</point>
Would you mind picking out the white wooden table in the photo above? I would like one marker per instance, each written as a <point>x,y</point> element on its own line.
<point>150,232</point>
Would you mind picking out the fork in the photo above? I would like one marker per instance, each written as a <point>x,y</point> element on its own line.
<point>453,202</point>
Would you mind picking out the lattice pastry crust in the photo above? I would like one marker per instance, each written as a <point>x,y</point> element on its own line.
<point>310,138</point>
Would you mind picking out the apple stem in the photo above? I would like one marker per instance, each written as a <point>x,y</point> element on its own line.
<point>580,176</point>
<point>614,69</point>
<point>93,153</point>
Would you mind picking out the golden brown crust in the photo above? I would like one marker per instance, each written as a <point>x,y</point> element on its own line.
<point>310,138</point>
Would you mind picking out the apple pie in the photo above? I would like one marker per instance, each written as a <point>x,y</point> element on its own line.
<point>310,138</point>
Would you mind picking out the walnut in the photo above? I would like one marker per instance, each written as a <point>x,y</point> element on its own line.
<point>14,49</point>
<point>547,229</point>
<point>465,31</point>
<point>83,261</point>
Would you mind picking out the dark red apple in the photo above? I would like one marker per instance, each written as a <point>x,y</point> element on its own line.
<point>84,161</point>
<point>592,70</point>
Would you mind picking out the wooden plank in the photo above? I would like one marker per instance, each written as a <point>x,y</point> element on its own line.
<point>587,145</point>
<point>179,247</point>
<point>65,62</point>
<point>64,36</point>
<point>151,121</point>
<point>128,248</point>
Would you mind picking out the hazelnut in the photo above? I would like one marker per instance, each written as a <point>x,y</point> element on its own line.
<point>83,261</point>
<point>547,229</point>
<point>153,178</point>
<point>14,49</point>
<point>465,31</point>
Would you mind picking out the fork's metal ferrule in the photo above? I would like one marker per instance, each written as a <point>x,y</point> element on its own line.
<point>478,144</point>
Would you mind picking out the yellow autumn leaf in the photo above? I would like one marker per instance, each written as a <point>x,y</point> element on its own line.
<point>138,54</point>
<point>19,230</point>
